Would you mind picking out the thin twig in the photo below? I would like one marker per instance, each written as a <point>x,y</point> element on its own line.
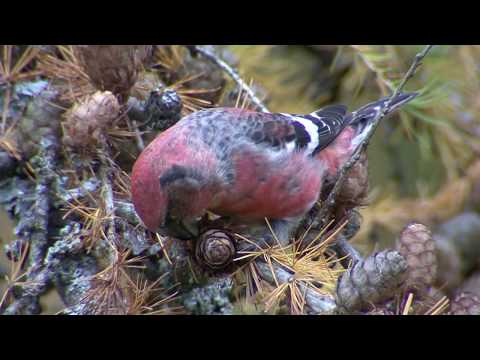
<point>6,104</point>
<point>209,55</point>
<point>415,64</point>
<point>346,251</point>
<point>136,112</point>
<point>106,175</point>
<point>133,126</point>
<point>331,199</point>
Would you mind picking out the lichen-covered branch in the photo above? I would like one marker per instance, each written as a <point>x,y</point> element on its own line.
<point>88,186</point>
<point>71,269</point>
<point>33,227</point>
<point>212,298</point>
<point>318,303</point>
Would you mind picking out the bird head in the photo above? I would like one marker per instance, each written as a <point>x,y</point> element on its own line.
<point>172,186</point>
<point>158,201</point>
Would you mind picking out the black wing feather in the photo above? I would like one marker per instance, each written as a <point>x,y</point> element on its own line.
<point>330,121</point>
<point>276,130</point>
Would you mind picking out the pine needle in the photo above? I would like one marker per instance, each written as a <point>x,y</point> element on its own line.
<point>16,274</point>
<point>439,307</point>
<point>408,304</point>
<point>311,268</point>
<point>73,82</point>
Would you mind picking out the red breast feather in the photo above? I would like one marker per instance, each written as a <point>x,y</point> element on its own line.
<point>274,188</point>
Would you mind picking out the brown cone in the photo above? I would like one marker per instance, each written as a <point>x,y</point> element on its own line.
<point>355,188</point>
<point>86,122</point>
<point>465,304</point>
<point>113,67</point>
<point>215,249</point>
<point>417,246</point>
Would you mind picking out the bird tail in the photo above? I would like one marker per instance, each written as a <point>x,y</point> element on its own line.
<point>362,118</point>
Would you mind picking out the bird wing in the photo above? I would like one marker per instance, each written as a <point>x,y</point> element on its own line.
<point>311,133</point>
<point>275,131</point>
<point>330,121</point>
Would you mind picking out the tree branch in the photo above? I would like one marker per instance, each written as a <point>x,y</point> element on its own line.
<point>33,227</point>
<point>215,59</point>
<point>315,301</point>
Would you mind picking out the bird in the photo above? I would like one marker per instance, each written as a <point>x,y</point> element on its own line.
<point>246,165</point>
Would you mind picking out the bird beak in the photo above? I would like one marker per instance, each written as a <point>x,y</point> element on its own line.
<point>192,228</point>
<point>183,230</point>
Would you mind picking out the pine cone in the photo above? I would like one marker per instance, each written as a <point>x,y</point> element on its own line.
<point>371,281</point>
<point>355,188</point>
<point>215,249</point>
<point>86,122</point>
<point>164,108</point>
<point>380,311</point>
<point>112,67</point>
<point>417,246</point>
<point>465,304</point>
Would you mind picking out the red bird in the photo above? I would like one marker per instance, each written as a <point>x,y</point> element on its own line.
<point>246,165</point>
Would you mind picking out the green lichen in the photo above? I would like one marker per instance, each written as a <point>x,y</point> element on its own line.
<point>212,299</point>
